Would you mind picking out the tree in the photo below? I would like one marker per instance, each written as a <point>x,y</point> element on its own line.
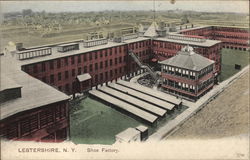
<point>26,12</point>
<point>184,19</point>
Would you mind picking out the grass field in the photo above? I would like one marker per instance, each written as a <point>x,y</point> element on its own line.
<point>92,122</point>
<point>96,123</point>
<point>231,57</point>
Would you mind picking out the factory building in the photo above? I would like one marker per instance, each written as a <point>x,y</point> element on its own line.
<point>31,109</point>
<point>187,74</point>
<point>231,37</point>
<point>34,101</point>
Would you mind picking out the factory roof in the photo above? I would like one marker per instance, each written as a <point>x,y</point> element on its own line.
<point>34,92</point>
<point>142,128</point>
<point>128,134</point>
<point>188,59</point>
<point>55,54</point>
<point>83,77</point>
<point>182,39</point>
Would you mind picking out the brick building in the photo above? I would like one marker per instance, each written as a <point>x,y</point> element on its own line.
<point>31,109</point>
<point>187,74</point>
<point>166,47</point>
<point>232,37</point>
<point>37,110</point>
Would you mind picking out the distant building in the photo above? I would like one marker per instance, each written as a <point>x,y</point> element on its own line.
<point>231,37</point>
<point>187,74</point>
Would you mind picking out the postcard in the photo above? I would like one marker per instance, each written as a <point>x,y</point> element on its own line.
<point>128,79</point>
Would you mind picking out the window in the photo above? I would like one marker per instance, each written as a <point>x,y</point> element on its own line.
<point>59,76</point>
<point>85,57</point>
<point>90,56</point>
<point>96,66</point>
<point>79,59</point>
<point>101,53</point>
<point>96,78</point>
<point>85,69</point>
<point>29,124</point>
<point>73,72</point>
<point>115,50</point>
<point>35,68</point>
<point>110,51</point>
<point>96,55</point>
<point>66,74</point>
<point>111,62</point>
<point>120,69</point>
<point>101,77</point>
<point>52,78</point>
<point>43,67</point>
<point>58,63</point>
<point>106,63</point>
<point>90,67</point>
<point>72,60</point>
<point>79,70</point>
<point>101,65</point>
<point>111,73</point>
<point>51,65</point>
<point>106,75</point>
<point>46,117</point>
<point>60,112</point>
<point>106,53</point>
<point>67,87</point>
<point>120,59</point>
<point>66,61</point>
<point>115,61</point>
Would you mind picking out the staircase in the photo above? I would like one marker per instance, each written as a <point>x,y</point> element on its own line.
<point>144,66</point>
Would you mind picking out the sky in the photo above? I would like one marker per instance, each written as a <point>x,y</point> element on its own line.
<point>85,6</point>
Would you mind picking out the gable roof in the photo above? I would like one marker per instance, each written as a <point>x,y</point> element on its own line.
<point>188,59</point>
<point>151,31</point>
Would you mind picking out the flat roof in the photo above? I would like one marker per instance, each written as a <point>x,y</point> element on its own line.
<point>154,93</point>
<point>125,106</point>
<point>146,106</point>
<point>67,44</point>
<point>7,83</point>
<point>55,54</point>
<point>142,128</point>
<point>34,92</point>
<point>83,77</point>
<point>206,43</point>
<point>206,26</point>
<point>128,134</point>
<point>147,98</point>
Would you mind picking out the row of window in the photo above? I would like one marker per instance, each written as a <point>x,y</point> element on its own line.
<point>178,70</point>
<point>34,53</point>
<point>34,122</point>
<point>137,45</point>
<point>172,46</point>
<point>117,60</point>
<point>96,79</point>
<point>180,85</point>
